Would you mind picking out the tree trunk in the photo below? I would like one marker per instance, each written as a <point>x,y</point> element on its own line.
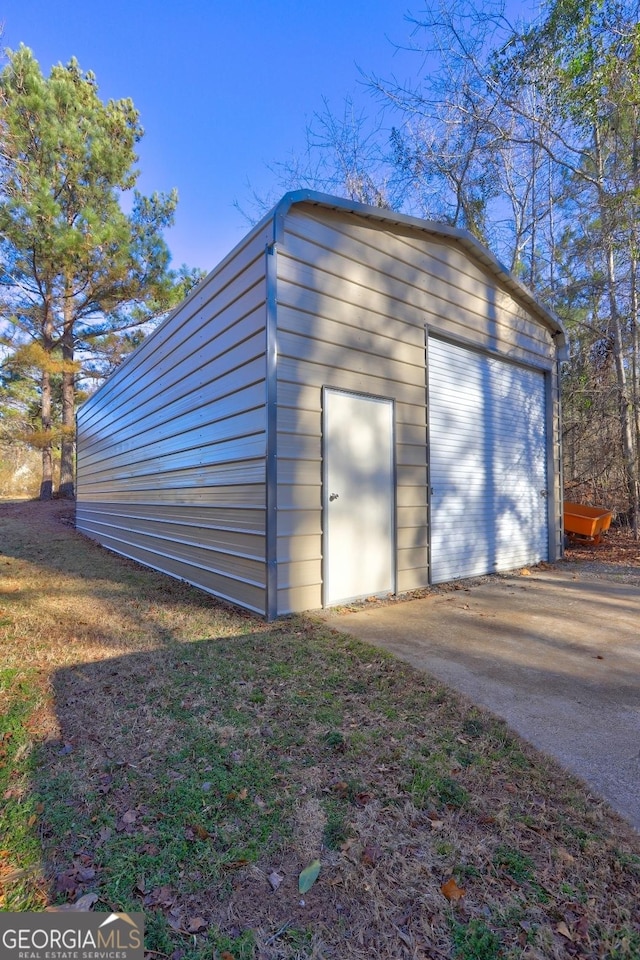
<point>68,446</point>
<point>635,370</point>
<point>46,484</point>
<point>615,331</point>
<point>46,414</point>
<point>624,399</point>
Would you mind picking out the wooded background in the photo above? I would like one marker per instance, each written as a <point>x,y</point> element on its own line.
<point>525,134</point>
<point>528,136</point>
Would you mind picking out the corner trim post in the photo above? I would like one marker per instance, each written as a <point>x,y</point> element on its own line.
<point>271,518</point>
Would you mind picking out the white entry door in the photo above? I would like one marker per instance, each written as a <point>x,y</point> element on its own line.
<point>359,538</point>
<point>488,463</point>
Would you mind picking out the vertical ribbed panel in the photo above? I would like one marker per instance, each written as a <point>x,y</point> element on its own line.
<point>488,463</point>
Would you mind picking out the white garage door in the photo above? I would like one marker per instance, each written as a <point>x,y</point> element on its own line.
<point>488,464</point>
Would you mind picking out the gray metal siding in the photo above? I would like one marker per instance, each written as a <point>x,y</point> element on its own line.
<point>207,442</point>
<point>171,450</point>
<point>354,298</point>
<point>334,331</point>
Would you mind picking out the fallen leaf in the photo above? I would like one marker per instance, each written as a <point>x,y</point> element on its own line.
<point>201,832</point>
<point>363,798</point>
<point>308,876</point>
<point>451,890</point>
<point>564,931</point>
<point>235,864</point>
<point>525,573</point>
<point>582,927</point>
<point>66,882</point>
<point>195,924</point>
<point>152,849</point>
<point>106,781</point>
<point>160,897</point>
<point>225,955</point>
<point>130,816</point>
<point>565,855</point>
<point>341,788</point>
<point>371,854</point>
<point>85,902</point>
<point>238,794</point>
<point>275,879</point>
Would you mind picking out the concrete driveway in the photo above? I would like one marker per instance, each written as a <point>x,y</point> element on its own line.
<point>556,654</point>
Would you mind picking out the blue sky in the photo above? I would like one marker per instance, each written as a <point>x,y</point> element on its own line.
<point>223,87</point>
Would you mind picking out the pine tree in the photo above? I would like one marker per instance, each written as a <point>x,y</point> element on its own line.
<point>76,269</point>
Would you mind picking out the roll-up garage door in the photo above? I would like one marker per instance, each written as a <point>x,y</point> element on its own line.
<point>488,463</point>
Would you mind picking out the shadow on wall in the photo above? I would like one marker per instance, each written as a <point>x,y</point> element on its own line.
<point>350,325</point>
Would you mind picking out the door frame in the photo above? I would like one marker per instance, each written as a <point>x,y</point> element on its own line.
<point>326,493</point>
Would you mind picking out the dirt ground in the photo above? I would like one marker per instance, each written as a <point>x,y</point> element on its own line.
<point>618,553</point>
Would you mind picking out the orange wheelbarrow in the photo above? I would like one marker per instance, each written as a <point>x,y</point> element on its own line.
<point>585,524</point>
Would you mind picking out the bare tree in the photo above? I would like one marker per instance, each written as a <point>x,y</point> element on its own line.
<point>523,127</point>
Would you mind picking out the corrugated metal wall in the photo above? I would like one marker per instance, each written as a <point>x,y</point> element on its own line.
<point>488,463</point>
<point>354,299</point>
<point>171,451</point>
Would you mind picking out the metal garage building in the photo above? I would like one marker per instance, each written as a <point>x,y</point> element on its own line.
<point>353,403</point>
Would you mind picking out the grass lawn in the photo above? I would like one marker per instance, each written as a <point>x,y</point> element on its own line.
<point>161,752</point>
